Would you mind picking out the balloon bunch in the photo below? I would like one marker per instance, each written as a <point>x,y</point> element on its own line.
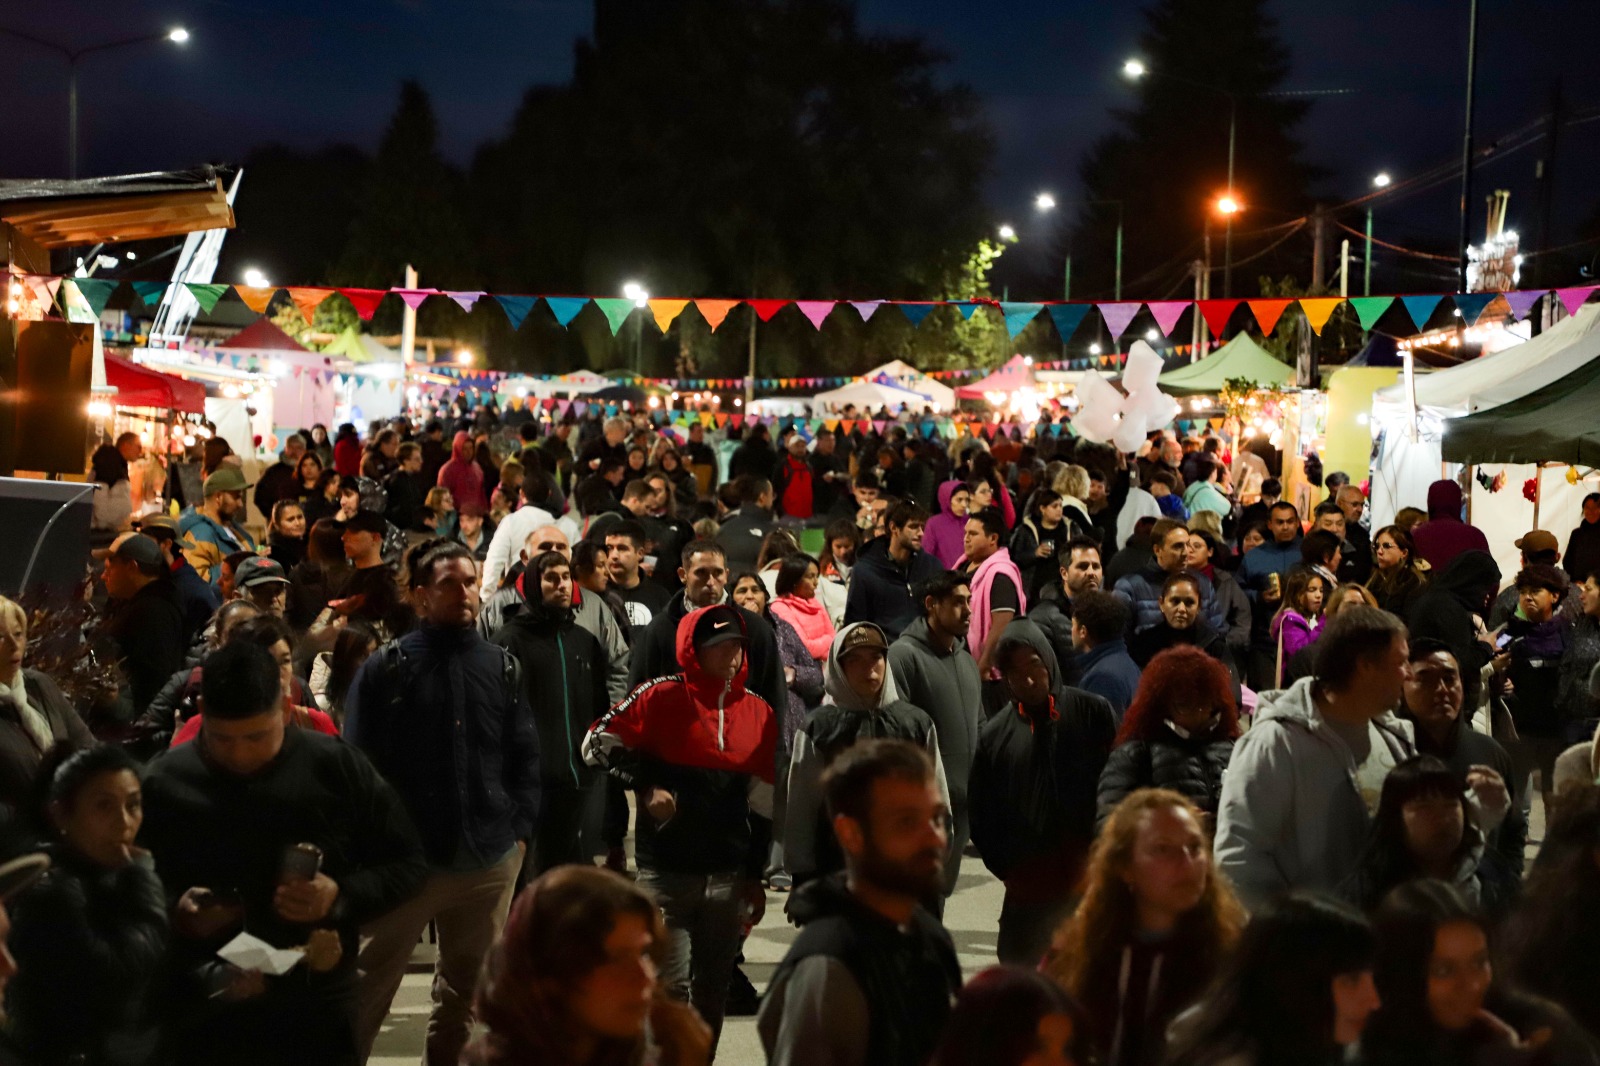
<point>1106,414</point>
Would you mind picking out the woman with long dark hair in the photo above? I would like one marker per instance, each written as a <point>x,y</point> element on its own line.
<point>1177,734</point>
<point>1397,574</point>
<point>573,980</point>
<point>1297,990</point>
<point>1182,623</point>
<point>286,538</point>
<point>1443,1004</point>
<point>1037,539</point>
<point>1154,925</point>
<point>1425,828</point>
<point>113,490</point>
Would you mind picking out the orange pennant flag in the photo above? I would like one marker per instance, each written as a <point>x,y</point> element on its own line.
<point>1318,311</point>
<point>1267,313</point>
<point>666,310</point>
<point>1216,423</point>
<point>308,299</point>
<point>714,311</point>
<point>256,298</point>
<point>722,420</point>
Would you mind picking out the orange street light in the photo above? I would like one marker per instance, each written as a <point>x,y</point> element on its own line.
<point>1227,205</point>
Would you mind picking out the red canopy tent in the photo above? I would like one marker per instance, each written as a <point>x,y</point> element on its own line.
<point>139,386</point>
<point>1016,374</point>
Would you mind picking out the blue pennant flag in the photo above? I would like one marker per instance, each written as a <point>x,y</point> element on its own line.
<point>915,313</point>
<point>1068,317</point>
<point>516,308</point>
<point>1471,304</point>
<point>1420,308</point>
<point>565,308</point>
<point>1018,315</point>
<point>966,307</point>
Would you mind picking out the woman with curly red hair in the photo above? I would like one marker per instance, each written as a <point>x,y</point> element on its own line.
<point>1154,924</point>
<point>572,981</point>
<point>1178,733</point>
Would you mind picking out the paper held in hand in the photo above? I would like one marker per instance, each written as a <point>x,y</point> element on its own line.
<point>249,953</point>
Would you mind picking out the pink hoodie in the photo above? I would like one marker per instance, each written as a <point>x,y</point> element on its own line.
<point>463,477</point>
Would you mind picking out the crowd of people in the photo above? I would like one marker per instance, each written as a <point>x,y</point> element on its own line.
<point>1257,783</point>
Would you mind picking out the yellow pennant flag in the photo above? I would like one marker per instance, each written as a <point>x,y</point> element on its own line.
<point>1319,311</point>
<point>666,310</point>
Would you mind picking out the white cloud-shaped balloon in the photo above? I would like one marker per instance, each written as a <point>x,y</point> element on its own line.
<point>1099,404</point>
<point>1106,414</point>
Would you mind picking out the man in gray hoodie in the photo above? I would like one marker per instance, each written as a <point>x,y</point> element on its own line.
<point>933,670</point>
<point>1300,793</point>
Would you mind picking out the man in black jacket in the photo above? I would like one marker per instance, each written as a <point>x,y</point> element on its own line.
<point>231,820</point>
<point>441,713</point>
<point>886,571</point>
<point>1033,790</point>
<point>145,621</point>
<point>1452,608</point>
<point>872,974</point>
<point>741,535</point>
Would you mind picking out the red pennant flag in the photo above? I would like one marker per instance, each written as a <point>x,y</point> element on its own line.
<point>366,301</point>
<point>1217,313</point>
<point>1267,313</point>
<point>765,309</point>
<point>736,420</point>
<point>307,300</point>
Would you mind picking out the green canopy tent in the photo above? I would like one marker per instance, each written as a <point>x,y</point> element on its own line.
<point>1559,423</point>
<point>1239,358</point>
<point>359,347</point>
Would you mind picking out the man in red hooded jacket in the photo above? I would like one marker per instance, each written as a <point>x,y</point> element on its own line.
<point>699,751</point>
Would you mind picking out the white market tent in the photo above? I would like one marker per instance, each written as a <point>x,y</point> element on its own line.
<point>907,376</point>
<point>1403,469</point>
<point>870,395</point>
<point>577,383</point>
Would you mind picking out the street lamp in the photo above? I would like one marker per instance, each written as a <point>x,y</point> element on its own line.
<point>464,357</point>
<point>632,290</point>
<point>1044,202</point>
<point>1134,69</point>
<point>176,35</point>
<point>1379,181</point>
<point>1227,205</point>
<point>1007,233</point>
<point>255,279</point>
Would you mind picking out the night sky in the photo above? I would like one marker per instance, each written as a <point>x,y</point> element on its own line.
<point>306,73</point>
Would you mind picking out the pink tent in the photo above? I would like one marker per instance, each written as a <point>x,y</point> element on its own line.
<point>1016,374</point>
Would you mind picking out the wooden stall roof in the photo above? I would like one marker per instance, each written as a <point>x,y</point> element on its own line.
<point>63,213</point>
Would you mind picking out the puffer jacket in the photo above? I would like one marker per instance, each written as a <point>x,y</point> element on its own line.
<point>709,742</point>
<point>1292,815</point>
<point>1034,781</point>
<point>1142,593</point>
<point>809,847</point>
<point>1192,766</point>
<point>564,682</point>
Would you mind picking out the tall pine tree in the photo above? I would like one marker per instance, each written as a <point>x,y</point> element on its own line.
<point>1167,161</point>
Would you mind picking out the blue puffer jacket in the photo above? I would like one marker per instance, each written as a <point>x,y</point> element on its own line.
<point>441,714</point>
<point>1142,593</point>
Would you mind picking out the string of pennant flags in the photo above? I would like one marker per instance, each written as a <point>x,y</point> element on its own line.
<point>1066,316</point>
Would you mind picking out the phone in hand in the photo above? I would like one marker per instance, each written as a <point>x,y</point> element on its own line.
<point>1502,642</point>
<point>301,862</point>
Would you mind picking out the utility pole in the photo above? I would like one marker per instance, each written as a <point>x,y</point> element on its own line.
<point>750,367</point>
<point>1197,267</point>
<point>408,324</point>
<point>1319,238</point>
<point>1466,143</point>
<point>1366,280</point>
<point>1344,267</point>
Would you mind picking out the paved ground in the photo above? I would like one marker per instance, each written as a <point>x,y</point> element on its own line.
<point>971,917</point>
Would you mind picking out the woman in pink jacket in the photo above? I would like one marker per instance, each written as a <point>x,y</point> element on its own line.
<point>798,605</point>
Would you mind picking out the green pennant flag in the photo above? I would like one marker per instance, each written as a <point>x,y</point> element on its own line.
<point>96,292</point>
<point>207,295</point>
<point>616,311</point>
<point>150,292</point>
<point>1370,308</point>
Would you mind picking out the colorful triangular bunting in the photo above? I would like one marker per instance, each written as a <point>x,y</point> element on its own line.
<point>96,292</point>
<point>516,308</point>
<point>765,309</point>
<point>465,300</point>
<point>1370,308</point>
<point>867,308</point>
<point>206,295</point>
<point>1068,317</point>
<point>1267,313</point>
<point>714,311</point>
<point>616,311</point>
<point>815,310</point>
<point>916,312</point>
<point>1216,313</point>
<point>565,308</point>
<point>1420,308</point>
<point>1573,298</point>
<point>665,311</point>
<point>365,301</point>
<point>1318,311</point>
<point>1119,316</point>
<point>413,297</point>
<point>1522,301</point>
<point>307,299</point>
<point>1167,313</point>
<point>1471,304</point>
<point>150,292</point>
<point>255,297</point>
<point>1018,315</point>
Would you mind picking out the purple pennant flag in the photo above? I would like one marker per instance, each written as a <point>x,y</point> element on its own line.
<point>1522,302</point>
<point>1118,316</point>
<point>815,310</point>
<point>1167,313</point>
<point>465,299</point>
<point>1573,298</point>
<point>414,297</point>
<point>866,308</point>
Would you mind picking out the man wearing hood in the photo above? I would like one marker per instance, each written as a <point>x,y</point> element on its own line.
<point>871,977</point>
<point>861,703</point>
<point>1303,785</point>
<point>564,683</point>
<point>1444,535</point>
<point>1033,789</point>
<point>1452,609</point>
<point>930,665</point>
<point>699,750</point>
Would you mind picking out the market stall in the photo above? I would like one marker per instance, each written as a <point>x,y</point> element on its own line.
<point>907,376</point>
<point>870,396</point>
<point>1240,359</point>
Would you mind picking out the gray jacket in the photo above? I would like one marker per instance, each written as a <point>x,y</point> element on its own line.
<point>948,689</point>
<point>590,614</point>
<point>1292,816</point>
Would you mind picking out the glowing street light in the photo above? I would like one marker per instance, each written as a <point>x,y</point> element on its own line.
<point>1381,181</point>
<point>178,35</point>
<point>464,357</point>
<point>1044,202</point>
<point>1227,205</point>
<point>1134,69</point>
<point>256,279</point>
<point>632,290</point>
<point>1007,233</point>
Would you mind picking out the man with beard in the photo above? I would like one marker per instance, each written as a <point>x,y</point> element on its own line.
<point>887,569</point>
<point>1081,572</point>
<point>871,975</point>
<point>214,530</point>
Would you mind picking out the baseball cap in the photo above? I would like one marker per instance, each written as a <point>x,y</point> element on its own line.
<point>159,526</point>
<point>142,551</point>
<point>364,521</point>
<point>259,570</point>
<point>718,625</point>
<point>225,479</point>
<point>1538,540</point>
<point>864,635</point>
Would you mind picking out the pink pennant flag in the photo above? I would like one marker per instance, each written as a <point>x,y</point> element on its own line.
<point>465,300</point>
<point>866,308</point>
<point>1573,298</point>
<point>815,310</point>
<point>414,297</point>
<point>1118,316</point>
<point>1167,313</point>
